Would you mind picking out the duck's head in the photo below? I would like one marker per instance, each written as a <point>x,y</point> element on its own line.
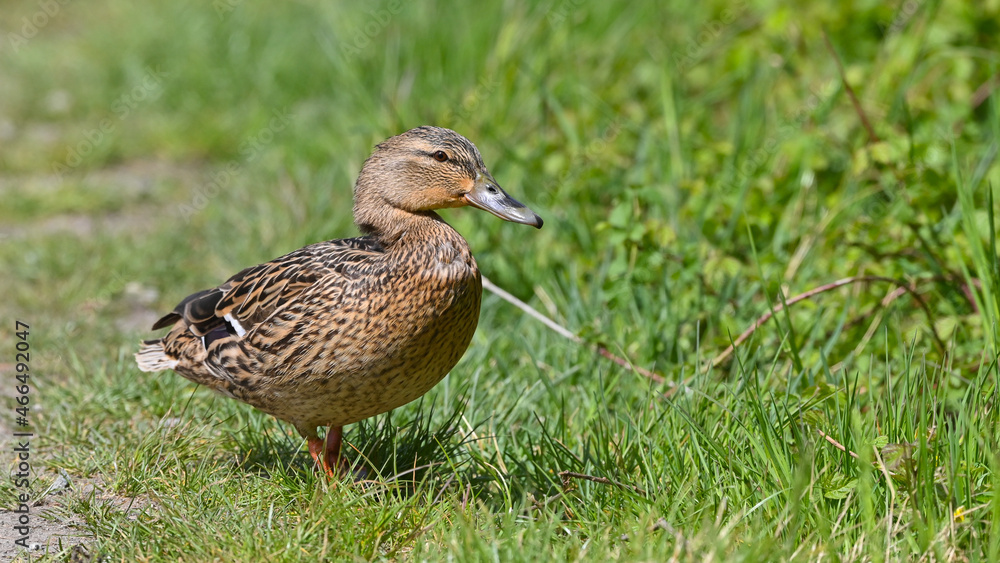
<point>430,168</point>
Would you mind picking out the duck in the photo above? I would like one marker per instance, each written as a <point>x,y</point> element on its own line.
<point>343,330</point>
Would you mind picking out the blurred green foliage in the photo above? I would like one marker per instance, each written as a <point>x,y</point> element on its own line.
<point>696,164</point>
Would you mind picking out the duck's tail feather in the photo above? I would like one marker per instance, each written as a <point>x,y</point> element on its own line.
<point>152,356</point>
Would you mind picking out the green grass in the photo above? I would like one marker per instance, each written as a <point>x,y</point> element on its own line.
<point>697,166</point>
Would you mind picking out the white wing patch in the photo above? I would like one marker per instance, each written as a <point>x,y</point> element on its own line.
<point>236,324</point>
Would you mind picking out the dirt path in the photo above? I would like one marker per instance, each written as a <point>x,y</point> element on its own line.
<point>53,526</point>
<point>50,531</point>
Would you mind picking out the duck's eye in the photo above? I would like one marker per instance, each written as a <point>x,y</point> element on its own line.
<point>440,156</point>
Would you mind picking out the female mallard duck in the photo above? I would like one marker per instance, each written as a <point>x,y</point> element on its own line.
<point>342,330</point>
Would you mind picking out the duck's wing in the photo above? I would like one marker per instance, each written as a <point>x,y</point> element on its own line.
<point>249,297</point>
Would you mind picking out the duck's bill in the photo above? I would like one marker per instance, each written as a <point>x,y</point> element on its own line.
<point>488,196</point>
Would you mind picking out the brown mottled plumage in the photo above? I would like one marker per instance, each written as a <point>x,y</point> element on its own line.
<point>343,330</point>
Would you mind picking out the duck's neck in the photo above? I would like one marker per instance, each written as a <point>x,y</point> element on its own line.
<point>394,227</point>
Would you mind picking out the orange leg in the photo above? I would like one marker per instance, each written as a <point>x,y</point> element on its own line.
<point>334,437</point>
<point>316,450</point>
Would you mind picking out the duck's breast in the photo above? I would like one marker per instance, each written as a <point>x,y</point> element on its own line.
<point>380,340</point>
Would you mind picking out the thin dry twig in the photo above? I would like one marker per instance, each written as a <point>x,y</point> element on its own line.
<point>565,333</point>
<point>604,352</point>
<point>981,94</point>
<point>567,475</point>
<point>822,289</point>
<point>836,444</point>
<point>627,364</point>
<point>872,136</point>
<point>984,90</point>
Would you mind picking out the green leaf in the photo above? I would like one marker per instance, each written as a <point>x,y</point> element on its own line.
<point>840,486</point>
